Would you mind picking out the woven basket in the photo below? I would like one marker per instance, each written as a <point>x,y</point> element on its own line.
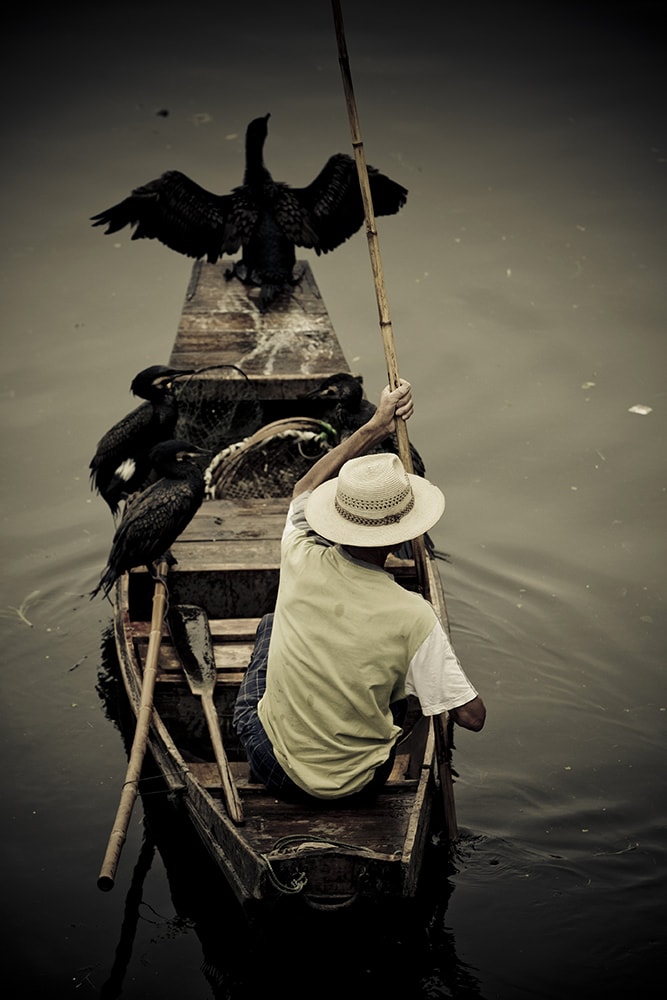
<point>270,462</point>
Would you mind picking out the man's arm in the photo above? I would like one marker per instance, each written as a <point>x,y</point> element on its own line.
<point>393,404</point>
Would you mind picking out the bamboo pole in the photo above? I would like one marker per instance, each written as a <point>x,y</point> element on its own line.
<point>105,880</point>
<point>378,273</point>
<point>443,749</point>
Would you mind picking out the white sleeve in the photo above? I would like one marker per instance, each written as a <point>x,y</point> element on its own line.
<point>296,521</point>
<point>436,677</point>
<point>296,518</point>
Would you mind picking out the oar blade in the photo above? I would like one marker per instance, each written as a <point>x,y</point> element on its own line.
<point>191,635</point>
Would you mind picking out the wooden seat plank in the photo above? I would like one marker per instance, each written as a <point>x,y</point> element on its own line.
<point>231,660</point>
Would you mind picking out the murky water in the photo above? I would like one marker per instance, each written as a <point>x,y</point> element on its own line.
<point>525,280</point>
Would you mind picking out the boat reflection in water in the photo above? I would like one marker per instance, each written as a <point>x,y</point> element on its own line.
<point>403,949</point>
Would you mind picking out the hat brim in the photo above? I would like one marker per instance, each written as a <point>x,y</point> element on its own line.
<point>323,517</point>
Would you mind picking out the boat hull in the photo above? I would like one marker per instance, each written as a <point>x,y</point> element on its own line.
<point>227,562</point>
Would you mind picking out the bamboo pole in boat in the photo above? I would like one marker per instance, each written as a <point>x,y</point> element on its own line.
<point>105,880</point>
<point>419,550</point>
<point>378,274</point>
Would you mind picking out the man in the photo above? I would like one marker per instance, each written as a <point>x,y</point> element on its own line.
<point>320,706</point>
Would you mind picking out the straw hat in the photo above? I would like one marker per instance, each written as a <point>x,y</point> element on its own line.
<point>374,501</point>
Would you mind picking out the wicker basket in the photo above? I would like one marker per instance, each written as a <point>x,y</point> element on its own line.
<point>269,462</point>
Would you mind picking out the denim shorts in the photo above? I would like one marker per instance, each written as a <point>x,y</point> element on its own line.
<point>250,730</point>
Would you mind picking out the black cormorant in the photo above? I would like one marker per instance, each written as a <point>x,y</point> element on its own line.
<point>120,465</point>
<point>156,516</point>
<point>346,408</point>
<point>265,218</point>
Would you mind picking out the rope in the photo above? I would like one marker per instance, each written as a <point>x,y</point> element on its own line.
<point>300,838</point>
<point>297,884</point>
<point>300,880</point>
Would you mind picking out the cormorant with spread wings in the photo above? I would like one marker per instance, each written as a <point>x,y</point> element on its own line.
<point>263,218</point>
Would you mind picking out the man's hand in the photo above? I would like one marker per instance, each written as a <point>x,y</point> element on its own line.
<point>394,404</point>
<point>472,715</point>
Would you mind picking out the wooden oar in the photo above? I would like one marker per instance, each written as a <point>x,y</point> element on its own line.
<point>105,880</point>
<point>418,547</point>
<point>191,635</point>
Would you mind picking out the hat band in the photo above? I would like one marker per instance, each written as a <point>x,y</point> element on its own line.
<point>377,521</point>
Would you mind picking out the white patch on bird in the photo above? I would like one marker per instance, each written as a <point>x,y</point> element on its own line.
<point>126,469</point>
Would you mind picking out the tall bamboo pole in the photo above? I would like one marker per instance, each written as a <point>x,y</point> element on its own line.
<point>440,724</point>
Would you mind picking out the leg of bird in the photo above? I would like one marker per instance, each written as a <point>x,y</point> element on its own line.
<point>238,270</point>
<point>153,567</point>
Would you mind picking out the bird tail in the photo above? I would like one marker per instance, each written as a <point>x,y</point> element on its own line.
<point>107,581</point>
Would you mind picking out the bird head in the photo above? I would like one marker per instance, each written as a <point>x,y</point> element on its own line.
<point>259,126</point>
<point>341,388</point>
<point>155,381</point>
<point>256,134</point>
<point>176,449</point>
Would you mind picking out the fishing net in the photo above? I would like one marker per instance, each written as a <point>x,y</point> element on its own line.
<point>269,462</point>
<point>217,406</point>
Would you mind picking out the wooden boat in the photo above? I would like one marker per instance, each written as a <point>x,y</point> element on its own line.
<point>227,563</point>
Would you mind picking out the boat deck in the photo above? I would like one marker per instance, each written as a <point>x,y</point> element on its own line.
<point>227,562</point>
<point>285,352</point>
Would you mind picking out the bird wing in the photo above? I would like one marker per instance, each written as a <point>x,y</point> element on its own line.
<point>183,216</point>
<point>331,206</point>
<point>130,433</point>
<point>154,520</point>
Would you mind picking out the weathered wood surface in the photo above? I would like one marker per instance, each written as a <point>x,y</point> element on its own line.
<point>285,351</point>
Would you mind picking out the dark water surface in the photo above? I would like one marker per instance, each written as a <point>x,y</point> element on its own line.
<point>526,282</point>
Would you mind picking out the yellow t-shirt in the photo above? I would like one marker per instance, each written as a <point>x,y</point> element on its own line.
<point>343,639</point>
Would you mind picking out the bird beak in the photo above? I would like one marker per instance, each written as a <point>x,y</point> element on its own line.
<point>195,452</point>
<point>181,373</point>
<point>320,393</point>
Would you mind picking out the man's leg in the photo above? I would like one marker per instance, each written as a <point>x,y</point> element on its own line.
<point>246,721</point>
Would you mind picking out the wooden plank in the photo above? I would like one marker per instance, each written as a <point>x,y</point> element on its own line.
<point>222,629</point>
<point>234,533</point>
<point>246,533</point>
<point>400,768</point>
<point>380,829</point>
<point>292,347</point>
<point>226,557</point>
<point>208,775</point>
<point>233,629</point>
<point>217,520</point>
<point>231,660</point>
